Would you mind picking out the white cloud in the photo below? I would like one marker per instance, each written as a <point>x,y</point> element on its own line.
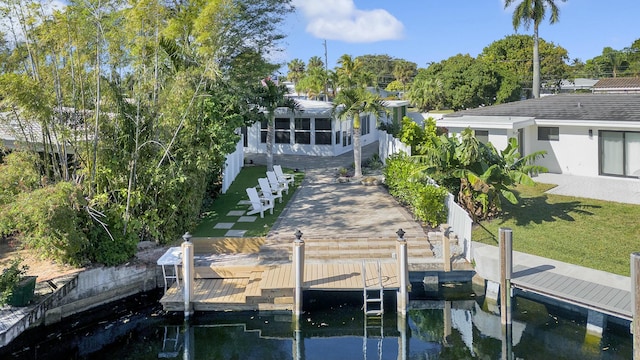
<point>341,20</point>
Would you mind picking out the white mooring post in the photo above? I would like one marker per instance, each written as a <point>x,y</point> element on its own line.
<point>298,263</point>
<point>403,274</point>
<point>506,268</point>
<point>635,303</point>
<point>187,274</point>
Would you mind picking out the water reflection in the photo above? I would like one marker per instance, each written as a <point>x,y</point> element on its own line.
<point>433,329</point>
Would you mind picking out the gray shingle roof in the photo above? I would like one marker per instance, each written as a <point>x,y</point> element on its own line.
<point>614,107</point>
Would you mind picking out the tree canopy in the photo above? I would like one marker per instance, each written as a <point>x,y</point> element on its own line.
<point>135,105</point>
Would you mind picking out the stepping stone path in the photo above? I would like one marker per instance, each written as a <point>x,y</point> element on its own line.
<point>241,219</point>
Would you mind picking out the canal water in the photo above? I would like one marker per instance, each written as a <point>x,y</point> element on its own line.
<point>449,322</point>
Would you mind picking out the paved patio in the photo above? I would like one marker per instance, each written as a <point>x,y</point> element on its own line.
<point>622,190</point>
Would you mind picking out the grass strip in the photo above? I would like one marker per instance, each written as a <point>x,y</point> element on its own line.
<point>591,233</point>
<point>218,211</point>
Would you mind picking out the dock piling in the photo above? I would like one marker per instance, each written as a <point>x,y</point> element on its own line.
<point>635,303</point>
<point>403,274</point>
<point>187,274</point>
<point>298,263</point>
<point>506,269</point>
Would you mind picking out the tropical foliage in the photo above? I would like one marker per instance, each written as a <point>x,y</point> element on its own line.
<point>132,108</point>
<point>479,175</point>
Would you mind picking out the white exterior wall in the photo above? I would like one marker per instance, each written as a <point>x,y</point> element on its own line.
<point>574,154</point>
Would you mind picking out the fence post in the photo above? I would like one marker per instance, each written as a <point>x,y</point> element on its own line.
<point>298,262</point>
<point>187,274</point>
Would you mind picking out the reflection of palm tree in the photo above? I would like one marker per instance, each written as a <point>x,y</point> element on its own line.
<point>348,105</point>
<point>526,12</point>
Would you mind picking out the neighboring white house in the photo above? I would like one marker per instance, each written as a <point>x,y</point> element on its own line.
<point>583,134</point>
<point>313,130</point>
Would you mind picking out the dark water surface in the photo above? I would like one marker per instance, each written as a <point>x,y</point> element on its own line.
<point>453,324</point>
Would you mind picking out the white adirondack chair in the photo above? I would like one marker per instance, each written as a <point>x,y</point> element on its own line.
<point>288,178</point>
<point>259,204</point>
<point>269,192</point>
<point>276,183</point>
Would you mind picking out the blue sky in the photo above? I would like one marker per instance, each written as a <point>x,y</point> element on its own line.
<point>425,31</point>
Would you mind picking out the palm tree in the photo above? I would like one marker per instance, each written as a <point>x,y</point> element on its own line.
<point>526,12</point>
<point>270,96</point>
<point>348,105</point>
<point>315,62</point>
<point>296,70</point>
<point>349,72</point>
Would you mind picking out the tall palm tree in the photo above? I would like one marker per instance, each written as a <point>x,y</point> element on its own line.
<point>349,72</point>
<point>534,11</point>
<point>296,70</point>
<point>348,105</point>
<point>270,96</point>
<point>315,62</point>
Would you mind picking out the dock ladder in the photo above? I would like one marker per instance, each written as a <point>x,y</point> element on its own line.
<point>373,307</point>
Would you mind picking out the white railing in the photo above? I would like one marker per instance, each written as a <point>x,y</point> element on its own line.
<point>388,145</point>
<point>232,166</point>
<point>461,224</point>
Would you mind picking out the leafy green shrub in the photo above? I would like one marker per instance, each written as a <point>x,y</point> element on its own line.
<point>406,183</point>
<point>18,173</point>
<point>429,204</point>
<point>10,277</point>
<point>397,173</point>
<point>50,220</point>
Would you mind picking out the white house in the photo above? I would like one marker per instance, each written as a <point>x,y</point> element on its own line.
<point>313,130</point>
<point>583,134</point>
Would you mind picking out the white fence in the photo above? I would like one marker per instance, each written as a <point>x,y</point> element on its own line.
<point>388,145</point>
<point>461,224</point>
<point>232,166</point>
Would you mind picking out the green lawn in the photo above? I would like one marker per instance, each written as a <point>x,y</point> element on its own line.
<point>592,233</point>
<point>221,206</point>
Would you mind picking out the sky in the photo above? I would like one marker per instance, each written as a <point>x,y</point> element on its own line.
<point>425,31</point>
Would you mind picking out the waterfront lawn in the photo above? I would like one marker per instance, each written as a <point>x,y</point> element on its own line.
<point>592,233</point>
<point>221,206</point>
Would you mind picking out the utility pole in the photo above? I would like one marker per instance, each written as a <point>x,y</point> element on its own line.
<point>326,72</point>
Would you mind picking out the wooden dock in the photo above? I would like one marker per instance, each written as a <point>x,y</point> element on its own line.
<point>272,287</point>
<point>601,298</point>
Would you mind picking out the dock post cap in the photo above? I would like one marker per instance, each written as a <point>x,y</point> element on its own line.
<point>400,233</point>
<point>298,235</point>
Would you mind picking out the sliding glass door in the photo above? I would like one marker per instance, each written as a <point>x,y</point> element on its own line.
<point>620,153</point>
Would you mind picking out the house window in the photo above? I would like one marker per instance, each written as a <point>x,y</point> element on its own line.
<point>365,124</point>
<point>548,133</point>
<point>302,131</point>
<point>283,131</point>
<point>346,138</point>
<point>323,131</point>
<point>482,136</point>
<point>263,131</point>
<point>620,153</point>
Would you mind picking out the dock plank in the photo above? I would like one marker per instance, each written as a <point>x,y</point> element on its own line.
<point>584,293</point>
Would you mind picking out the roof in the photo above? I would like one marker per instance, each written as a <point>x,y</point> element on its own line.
<point>618,83</point>
<point>585,107</point>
